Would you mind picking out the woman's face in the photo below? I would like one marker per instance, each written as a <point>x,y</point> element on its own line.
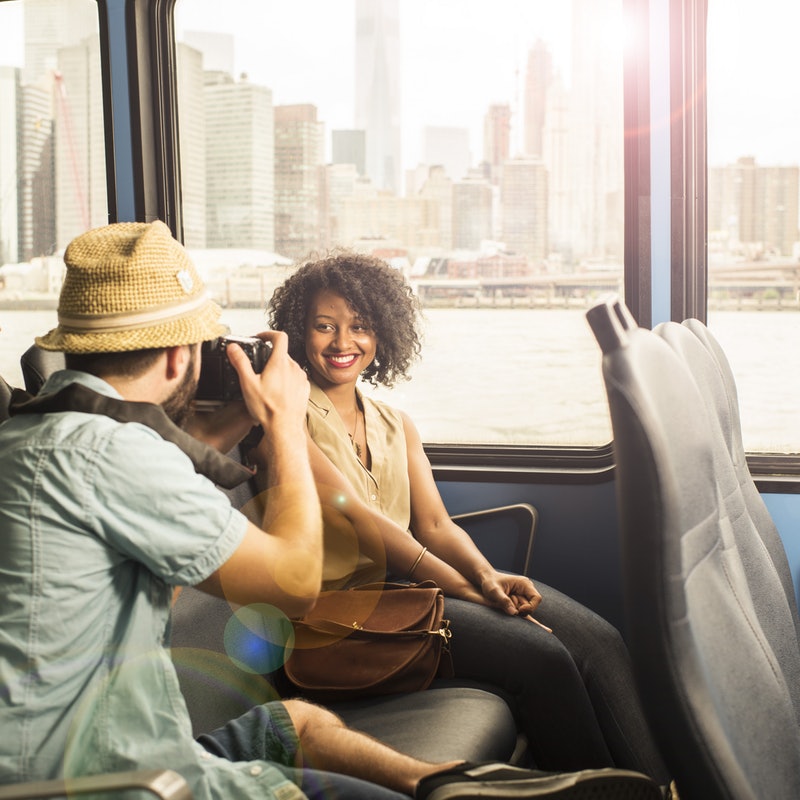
<point>339,344</point>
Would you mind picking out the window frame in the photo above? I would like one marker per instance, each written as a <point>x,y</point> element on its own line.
<point>154,193</point>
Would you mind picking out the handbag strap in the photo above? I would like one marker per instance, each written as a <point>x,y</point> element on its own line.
<point>330,626</point>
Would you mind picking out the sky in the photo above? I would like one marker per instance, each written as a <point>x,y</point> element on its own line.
<point>460,55</point>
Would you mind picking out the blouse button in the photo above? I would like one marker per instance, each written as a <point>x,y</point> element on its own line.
<point>255,770</point>
<point>373,497</point>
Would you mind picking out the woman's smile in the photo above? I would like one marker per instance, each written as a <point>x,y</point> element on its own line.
<point>341,361</point>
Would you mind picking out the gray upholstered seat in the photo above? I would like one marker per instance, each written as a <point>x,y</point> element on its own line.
<point>713,685</point>
<point>727,409</point>
<point>439,724</point>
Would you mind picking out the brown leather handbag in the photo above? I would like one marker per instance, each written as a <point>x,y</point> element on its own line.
<point>376,639</point>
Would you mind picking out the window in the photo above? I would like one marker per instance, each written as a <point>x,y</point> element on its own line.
<point>477,145</point>
<point>753,186</point>
<point>52,162</point>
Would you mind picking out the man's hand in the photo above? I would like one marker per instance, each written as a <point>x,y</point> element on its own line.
<point>280,391</point>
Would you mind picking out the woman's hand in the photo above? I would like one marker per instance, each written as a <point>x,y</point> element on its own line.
<point>514,594</point>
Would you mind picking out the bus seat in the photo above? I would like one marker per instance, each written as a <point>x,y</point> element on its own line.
<point>757,539</point>
<point>5,399</point>
<point>37,366</point>
<point>504,534</point>
<point>711,683</point>
<point>440,724</point>
<point>162,783</point>
<point>732,431</point>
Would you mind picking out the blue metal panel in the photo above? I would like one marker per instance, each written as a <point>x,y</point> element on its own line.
<point>120,115</point>
<point>785,511</point>
<point>576,548</point>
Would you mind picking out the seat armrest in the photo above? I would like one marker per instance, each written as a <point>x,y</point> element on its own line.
<point>489,528</point>
<point>163,783</point>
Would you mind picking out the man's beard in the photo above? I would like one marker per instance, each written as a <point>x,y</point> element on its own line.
<point>178,406</point>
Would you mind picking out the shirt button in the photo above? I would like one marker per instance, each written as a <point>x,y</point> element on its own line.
<point>256,770</point>
<point>205,755</point>
<point>373,497</point>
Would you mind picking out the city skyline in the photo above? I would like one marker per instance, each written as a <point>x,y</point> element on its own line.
<point>747,117</point>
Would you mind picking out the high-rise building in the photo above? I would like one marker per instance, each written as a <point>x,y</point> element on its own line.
<point>472,212</point>
<point>80,164</point>
<point>556,157</point>
<point>497,138</point>
<point>9,164</point>
<point>349,147</point>
<point>538,77</point>
<point>377,95</point>
<point>754,207</point>
<point>339,183</point>
<point>523,199</point>
<point>240,176</point>
<point>37,191</point>
<point>192,142</point>
<point>596,134</point>
<point>49,25</point>
<point>439,188</point>
<point>299,156</point>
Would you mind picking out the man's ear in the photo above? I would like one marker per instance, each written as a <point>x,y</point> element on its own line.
<point>177,361</point>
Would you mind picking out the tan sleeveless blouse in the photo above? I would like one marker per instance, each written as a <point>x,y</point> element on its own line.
<point>384,486</point>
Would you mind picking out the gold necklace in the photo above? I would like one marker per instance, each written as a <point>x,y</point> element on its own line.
<point>352,435</point>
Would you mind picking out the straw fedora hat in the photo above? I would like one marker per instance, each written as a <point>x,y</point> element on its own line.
<point>130,286</point>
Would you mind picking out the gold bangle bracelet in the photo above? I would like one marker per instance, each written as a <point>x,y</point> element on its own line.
<point>416,563</point>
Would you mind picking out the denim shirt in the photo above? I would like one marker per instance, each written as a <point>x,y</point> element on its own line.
<point>98,521</point>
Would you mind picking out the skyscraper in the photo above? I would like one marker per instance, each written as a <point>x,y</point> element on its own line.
<point>80,165</point>
<point>9,162</point>
<point>472,212</point>
<point>377,93</point>
<point>497,138</point>
<point>299,144</point>
<point>240,180</point>
<point>755,208</point>
<point>537,83</point>
<point>349,148</point>
<point>523,197</point>
<point>192,133</point>
<point>596,133</point>
<point>49,25</point>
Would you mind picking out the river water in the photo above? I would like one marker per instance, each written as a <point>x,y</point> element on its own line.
<point>532,376</point>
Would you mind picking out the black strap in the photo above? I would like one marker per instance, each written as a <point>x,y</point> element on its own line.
<point>224,471</point>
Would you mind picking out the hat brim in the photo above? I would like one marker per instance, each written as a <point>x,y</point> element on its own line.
<point>203,324</point>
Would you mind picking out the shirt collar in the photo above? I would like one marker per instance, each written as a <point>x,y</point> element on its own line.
<point>64,377</point>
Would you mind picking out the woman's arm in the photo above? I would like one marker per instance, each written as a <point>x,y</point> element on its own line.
<point>379,537</point>
<point>432,526</point>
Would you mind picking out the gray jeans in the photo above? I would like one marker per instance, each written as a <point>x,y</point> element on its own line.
<point>572,690</point>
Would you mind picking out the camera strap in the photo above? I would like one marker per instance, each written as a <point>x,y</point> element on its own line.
<point>220,469</point>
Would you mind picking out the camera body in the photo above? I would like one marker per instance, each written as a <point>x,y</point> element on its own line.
<point>219,381</point>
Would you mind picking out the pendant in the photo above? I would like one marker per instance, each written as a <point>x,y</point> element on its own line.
<point>356,446</point>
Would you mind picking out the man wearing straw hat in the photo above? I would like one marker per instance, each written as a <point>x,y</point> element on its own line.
<point>102,515</point>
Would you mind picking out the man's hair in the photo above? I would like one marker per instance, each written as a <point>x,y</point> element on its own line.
<point>129,364</point>
<point>375,291</point>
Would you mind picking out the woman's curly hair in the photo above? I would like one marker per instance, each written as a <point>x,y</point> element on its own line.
<point>375,291</point>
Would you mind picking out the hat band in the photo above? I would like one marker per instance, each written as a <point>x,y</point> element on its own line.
<point>124,321</point>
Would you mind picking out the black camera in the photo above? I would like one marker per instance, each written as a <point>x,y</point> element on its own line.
<point>219,381</point>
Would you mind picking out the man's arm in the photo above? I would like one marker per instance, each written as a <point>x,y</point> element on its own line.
<point>280,561</point>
